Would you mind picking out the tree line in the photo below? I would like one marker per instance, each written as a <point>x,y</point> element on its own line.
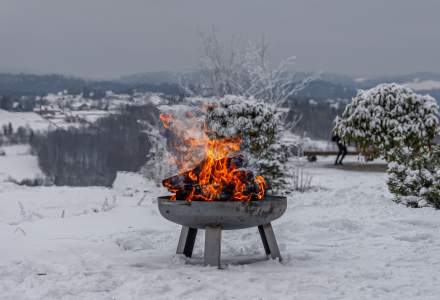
<point>11,135</point>
<point>93,155</point>
<point>317,119</point>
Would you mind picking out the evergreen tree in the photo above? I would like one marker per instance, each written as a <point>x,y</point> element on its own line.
<point>10,129</point>
<point>393,121</point>
<point>388,116</point>
<point>260,128</point>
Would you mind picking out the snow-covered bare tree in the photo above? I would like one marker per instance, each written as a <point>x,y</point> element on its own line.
<point>249,97</point>
<point>247,71</point>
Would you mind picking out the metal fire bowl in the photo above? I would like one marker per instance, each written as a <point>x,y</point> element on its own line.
<point>226,214</point>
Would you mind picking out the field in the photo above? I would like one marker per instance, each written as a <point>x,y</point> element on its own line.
<point>59,120</point>
<point>345,239</point>
<point>23,119</point>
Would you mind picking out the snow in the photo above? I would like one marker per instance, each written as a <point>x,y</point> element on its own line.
<point>23,119</point>
<point>425,85</point>
<point>346,239</point>
<point>322,145</point>
<point>360,79</point>
<point>308,144</point>
<point>18,164</point>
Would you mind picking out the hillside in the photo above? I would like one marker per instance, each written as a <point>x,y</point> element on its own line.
<point>17,85</point>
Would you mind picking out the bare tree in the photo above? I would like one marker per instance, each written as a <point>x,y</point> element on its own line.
<point>245,71</point>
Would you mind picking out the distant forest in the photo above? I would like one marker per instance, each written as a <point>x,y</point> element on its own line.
<point>316,119</point>
<point>93,155</point>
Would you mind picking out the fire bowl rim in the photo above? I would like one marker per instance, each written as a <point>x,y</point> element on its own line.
<point>266,198</point>
<point>227,214</point>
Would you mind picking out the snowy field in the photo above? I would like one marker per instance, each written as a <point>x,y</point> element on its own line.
<point>344,240</point>
<point>425,85</point>
<point>23,119</point>
<point>18,164</point>
<point>38,123</point>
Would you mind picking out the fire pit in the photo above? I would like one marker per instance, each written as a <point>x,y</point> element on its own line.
<point>214,191</point>
<point>216,216</point>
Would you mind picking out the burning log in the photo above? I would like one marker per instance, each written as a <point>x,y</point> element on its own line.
<point>219,176</point>
<point>217,180</point>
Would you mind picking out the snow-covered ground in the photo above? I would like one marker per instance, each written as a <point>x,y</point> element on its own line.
<point>18,164</point>
<point>60,119</point>
<point>425,85</point>
<point>344,240</point>
<point>23,119</point>
<point>66,119</point>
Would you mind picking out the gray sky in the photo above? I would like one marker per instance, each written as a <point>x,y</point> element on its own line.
<point>107,38</point>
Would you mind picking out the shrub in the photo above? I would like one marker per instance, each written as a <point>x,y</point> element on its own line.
<point>260,128</point>
<point>416,174</point>
<point>387,117</point>
<point>393,121</point>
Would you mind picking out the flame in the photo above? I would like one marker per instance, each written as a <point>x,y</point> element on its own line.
<point>207,170</point>
<point>166,120</point>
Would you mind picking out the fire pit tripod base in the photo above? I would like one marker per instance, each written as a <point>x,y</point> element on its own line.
<point>213,234</point>
<point>214,217</point>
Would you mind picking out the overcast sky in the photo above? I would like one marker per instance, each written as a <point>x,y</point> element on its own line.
<point>107,38</point>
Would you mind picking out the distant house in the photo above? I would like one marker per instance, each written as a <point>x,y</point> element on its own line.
<point>47,110</point>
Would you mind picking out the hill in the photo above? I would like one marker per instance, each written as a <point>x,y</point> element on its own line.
<point>18,85</point>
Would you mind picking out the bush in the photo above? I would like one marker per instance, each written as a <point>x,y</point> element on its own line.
<point>387,117</point>
<point>416,174</point>
<point>259,126</point>
<point>393,121</point>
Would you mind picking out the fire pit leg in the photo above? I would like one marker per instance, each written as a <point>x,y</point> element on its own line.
<point>213,236</point>
<point>186,241</point>
<point>269,241</point>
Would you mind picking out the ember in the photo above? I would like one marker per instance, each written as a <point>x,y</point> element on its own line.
<point>219,176</point>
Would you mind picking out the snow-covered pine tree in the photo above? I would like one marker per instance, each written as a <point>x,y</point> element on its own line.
<point>260,127</point>
<point>388,116</point>
<point>416,175</point>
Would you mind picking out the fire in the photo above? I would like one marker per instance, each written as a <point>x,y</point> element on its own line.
<point>166,119</point>
<point>210,169</point>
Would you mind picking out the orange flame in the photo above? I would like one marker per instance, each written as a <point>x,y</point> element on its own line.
<point>215,173</point>
<point>166,119</point>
